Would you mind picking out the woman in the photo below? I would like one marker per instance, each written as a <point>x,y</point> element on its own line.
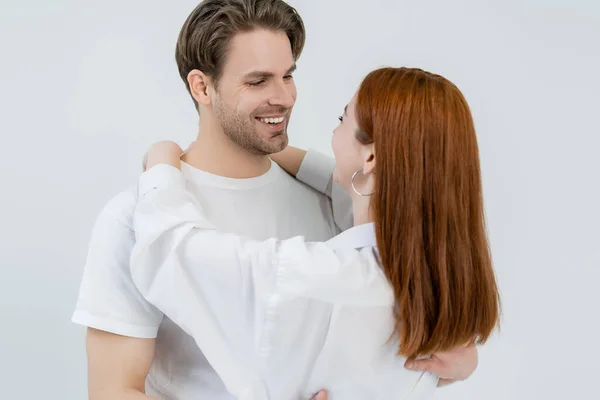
<point>412,277</point>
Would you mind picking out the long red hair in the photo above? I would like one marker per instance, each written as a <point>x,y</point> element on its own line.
<point>428,209</point>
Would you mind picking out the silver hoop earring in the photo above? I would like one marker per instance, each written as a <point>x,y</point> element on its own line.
<point>354,187</point>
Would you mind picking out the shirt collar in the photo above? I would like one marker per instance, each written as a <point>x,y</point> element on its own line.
<point>356,237</point>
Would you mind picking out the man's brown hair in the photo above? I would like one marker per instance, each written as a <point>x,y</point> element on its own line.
<point>204,38</point>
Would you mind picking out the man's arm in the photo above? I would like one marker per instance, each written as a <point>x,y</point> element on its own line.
<point>121,324</point>
<point>117,365</point>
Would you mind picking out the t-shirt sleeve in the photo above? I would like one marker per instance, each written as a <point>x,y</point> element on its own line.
<point>108,298</point>
<point>316,171</point>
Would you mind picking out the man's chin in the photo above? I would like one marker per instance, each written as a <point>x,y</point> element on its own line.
<point>278,142</point>
<point>267,146</point>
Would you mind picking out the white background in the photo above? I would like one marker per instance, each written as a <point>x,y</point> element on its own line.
<point>87,86</point>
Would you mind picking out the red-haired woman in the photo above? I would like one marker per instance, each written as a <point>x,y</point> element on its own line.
<point>413,276</point>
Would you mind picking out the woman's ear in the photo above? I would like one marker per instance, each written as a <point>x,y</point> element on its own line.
<point>369,159</point>
<point>198,83</point>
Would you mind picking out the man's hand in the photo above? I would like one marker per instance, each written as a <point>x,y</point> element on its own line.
<point>450,366</point>
<point>322,395</point>
<point>164,152</point>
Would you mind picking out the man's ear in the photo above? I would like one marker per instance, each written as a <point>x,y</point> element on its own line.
<point>369,159</point>
<point>199,83</point>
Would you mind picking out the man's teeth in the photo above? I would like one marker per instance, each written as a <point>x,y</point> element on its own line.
<point>272,120</point>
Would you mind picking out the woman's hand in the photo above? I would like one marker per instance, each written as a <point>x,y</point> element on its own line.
<point>450,366</point>
<point>165,152</point>
<point>289,159</point>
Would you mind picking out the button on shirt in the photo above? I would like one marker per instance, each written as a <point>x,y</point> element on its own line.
<point>203,279</point>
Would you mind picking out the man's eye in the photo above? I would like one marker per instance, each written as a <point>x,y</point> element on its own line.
<point>288,77</point>
<point>257,83</point>
<point>341,119</point>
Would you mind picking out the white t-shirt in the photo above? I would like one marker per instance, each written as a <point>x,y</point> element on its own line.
<point>277,319</point>
<point>271,205</point>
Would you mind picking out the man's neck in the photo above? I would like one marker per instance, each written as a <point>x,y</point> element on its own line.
<point>212,152</point>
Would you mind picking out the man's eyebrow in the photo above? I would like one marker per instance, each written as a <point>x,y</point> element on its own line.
<point>258,75</point>
<point>346,110</point>
<point>292,69</point>
<point>255,75</point>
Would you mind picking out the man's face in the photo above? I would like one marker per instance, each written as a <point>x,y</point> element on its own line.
<point>256,91</point>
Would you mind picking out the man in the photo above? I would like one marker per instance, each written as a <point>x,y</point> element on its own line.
<point>237,58</point>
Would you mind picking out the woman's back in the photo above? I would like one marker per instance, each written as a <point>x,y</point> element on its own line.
<point>359,358</point>
<point>340,334</point>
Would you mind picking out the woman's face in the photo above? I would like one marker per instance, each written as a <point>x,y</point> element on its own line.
<point>350,154</point>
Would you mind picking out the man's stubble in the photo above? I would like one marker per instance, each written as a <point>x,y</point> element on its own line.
<point>241,130</point>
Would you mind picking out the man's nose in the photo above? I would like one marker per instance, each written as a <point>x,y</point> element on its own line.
<point>283,95</point>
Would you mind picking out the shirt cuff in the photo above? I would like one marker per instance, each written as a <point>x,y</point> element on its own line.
<point>159,177</point>
<point>316,171</point>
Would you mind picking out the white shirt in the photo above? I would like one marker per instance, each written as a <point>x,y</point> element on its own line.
<point>277,319</point>
<point>271,205</point>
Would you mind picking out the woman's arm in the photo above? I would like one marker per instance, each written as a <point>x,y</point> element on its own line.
<point>309,167</point>
<point>289,159</point>
<point>316,170</point>
<point>206,281</point>
<point>174,234</point>
<point>168,213</point>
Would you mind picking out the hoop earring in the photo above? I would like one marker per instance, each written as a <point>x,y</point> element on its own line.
<point>354,187</point>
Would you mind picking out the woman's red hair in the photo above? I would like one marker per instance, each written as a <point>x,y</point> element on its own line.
<point>428,209</point>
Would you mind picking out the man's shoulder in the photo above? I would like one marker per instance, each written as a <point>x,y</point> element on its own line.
<point>120,208</point>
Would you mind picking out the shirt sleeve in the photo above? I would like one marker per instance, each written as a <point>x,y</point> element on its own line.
<point>108,298</point>
<point>174,235</point>
<point>316,171</point>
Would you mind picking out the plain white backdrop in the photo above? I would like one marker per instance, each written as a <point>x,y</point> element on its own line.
<point>87,86</point>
